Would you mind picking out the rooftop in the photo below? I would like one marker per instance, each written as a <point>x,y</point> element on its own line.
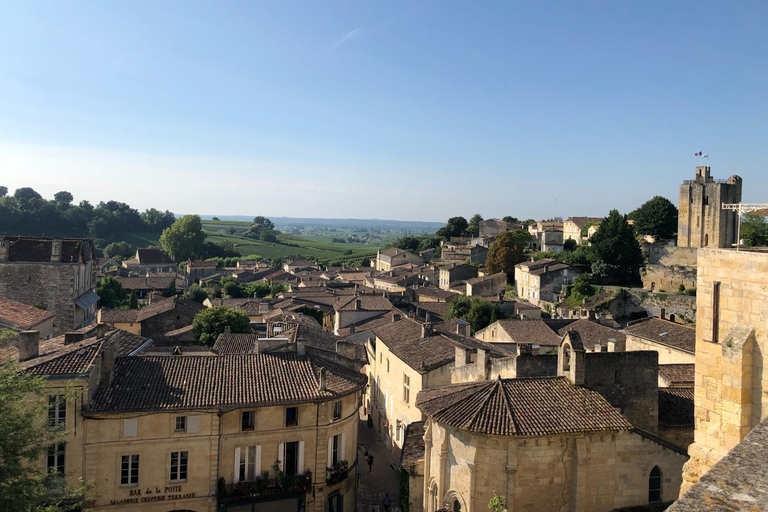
<point>413,445</point>
<point>521,407</point>
<point>40,249</point>
<point>678,374</point>
<point>676,408</point>
<point>367,303</point>
<point>535,332</point>
<point>15,314</point>
<point>592,333</point>
<point>664,332</point>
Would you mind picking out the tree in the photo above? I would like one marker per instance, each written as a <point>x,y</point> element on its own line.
<point>110,291</point>
<point>196,293</point>
<point>754,231</point>
<point>474,224</point>
<point>24,437</point>
<point>262,222</point>
<point>171,291</point>
<point>456,226</point>
<point>133,301</point>
<point>119,250</point>
<point>26,193</point>
<point>407,243</point>
<point>475,310</point>
<point>510,219</point>
<point>570,245</point>
<point>211,322</point>
<point>184,238</point>
<point>498,503</point>
<point>3,191</point>
<point>617,256</point>
<point>656,217</point>
<point>506,251</point>
<point>63,197</point>
<point>215,218</point>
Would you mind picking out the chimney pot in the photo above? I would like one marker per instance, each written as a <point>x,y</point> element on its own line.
<point>321,385</point>
<point>29,345</point>
<point>426,330</point>
<point>358,303</point>
<point>101,329</point>
<point>227,329</point>
<point>73,337</point>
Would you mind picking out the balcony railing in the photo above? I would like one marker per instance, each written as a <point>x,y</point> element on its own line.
<point>338,473</point>
<point>264,485</point>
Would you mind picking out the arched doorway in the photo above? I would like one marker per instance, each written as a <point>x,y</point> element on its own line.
<point>654,485</point>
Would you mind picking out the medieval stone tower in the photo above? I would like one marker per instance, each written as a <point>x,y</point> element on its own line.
<point>702,222</point>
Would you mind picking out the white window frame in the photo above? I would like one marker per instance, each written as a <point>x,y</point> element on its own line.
<point>406,388</point>
<point>183,422</point>
<point>131,477</point>
<point>182,460</point>
<point>57,411</point>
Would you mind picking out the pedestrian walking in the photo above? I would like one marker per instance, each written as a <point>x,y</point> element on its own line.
<point>387,502</point>
<point>370,463</point>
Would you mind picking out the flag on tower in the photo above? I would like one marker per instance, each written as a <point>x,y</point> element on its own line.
<point>701,154</point>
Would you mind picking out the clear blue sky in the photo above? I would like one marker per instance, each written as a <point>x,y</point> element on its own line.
<point>400,110</point>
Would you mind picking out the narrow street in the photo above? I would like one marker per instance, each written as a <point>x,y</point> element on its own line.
<point>382,479</point>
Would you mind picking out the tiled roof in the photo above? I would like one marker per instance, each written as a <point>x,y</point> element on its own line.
<point>367,303</point>
<point>16,314</point>
<point>676,407</point>
<point>437,308</point>
<point>121,316</point>
<point>678,374</point>
<point>592,333</point>
<point>480,279</point>
<point>413,445</point>
<point>738,482</point>
<point>38,249</point>
<point>521,407</point>
<point>664,332</point>
<point>535,332</point>
<point>583,221</point>
<point>146,283</point>
<point>202,264</point>
<point>195,382</point>
<point>434,292</point>
<point>371,323</point>
<point>152,257</point>
<point>126,341</point>
<point>540,267</point>
<point>235,343</point>
<point>180,305</point>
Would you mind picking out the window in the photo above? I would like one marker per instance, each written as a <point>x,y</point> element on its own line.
<point>57,411</point>
<point>387,365</point>
<point>335,449</point>
<point>181,423</point>
<point>290,459</point>
<point>654,485</point>
<point>335,502</point>
<point>248,421</point>
<point>247,463</point>
<point>129,470</point>
<point>179,466</point>
<point>291,416</point>
<point>406,388</point>
<point>456,506</point>
<point>337,410</point>
<point>55,460</point>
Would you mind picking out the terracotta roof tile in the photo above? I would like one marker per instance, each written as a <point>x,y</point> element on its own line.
<point>592,333</point>
<point>678,374</point>
<point>413,445</point>
<point>122,316</point>
<point>664,332</point>
<point>152,257</point>
<point>16,314</point>
<point>521,407</point>
<point>676,408</point>
<point>367,303</point>
<point>535,332</point>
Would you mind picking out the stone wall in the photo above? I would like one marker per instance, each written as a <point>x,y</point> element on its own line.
<point>635,303</point>
<point>164,322</point>
<point>661,278</point>
<point>670,256</point>
<point>731,386</point>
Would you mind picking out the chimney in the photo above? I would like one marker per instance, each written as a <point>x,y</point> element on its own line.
<point>352,329</point>
<point>358,303</point>
<point>301,348</point>
<point>462,328</point>
<point>426,330</point>
<point>524,349</point>
<point>395,317</point>
<point>73,337</point>
<point>460,356</point>
<point>29,345</point>
<point>428,317</point>
<point>482,359</point>
<point>663,313</point>
<point>321,385</point>
<point>227,329</point>
<point>4,247</point>
<point>56,249</point>
<point>107,366</point>
<point>101,329</point>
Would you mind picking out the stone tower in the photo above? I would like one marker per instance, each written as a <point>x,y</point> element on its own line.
<point>702,222</point>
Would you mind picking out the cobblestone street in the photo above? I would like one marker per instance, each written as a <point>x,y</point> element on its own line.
<point>373,485</point>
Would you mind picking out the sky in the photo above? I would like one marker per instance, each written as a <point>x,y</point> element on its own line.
<point>412,110</point>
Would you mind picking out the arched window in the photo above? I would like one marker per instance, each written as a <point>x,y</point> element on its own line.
<point>566,358</point>
<point>654,485</point>
<point>435,503</point>
<point>456,506</point>
<point>706,239</point>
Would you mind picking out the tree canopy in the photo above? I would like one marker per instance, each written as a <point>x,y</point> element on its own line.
<point>63,197</point>
<point>506,251</point>
<point>119,250</point>
<point>262,229</point>
<point>456,226</point>
<point>110,291</point>
<point>184,238</point>
<point>617,256</point>
<point>3,191</point>
<point>510,219</point>
<point>656,217</point>
<point>477,311</point>
<point>211,322</point>
<point>754,231</point>
<point>474,224</point>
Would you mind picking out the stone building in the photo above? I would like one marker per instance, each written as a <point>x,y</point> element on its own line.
<point>156,318</point>
<point>18,317</point>
<point>454,275</point>
<point>57,273</point>
<point>675,343</point>
<point>148,260</point>
<point>543,280</point>
<point>702,221</point>
<point>268,425</point>
<point>731,382</point>
<point>487,285</point>
<point>546,443</point>
<point>510,333</point>
<point>390,258</point>
<point>490,228</point>
<point>574,228</point>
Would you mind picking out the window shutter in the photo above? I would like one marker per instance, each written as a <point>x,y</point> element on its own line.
<point>130,427</point>
<point>236,474</point>
<point>330,452</point>
<point>257,462</point>
<point>301,458</point>
<point>341,449</point>
<point>193,423</point>
<point>281,456</point>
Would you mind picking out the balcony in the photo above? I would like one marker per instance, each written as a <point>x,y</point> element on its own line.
<point>264,486</point>
<point>338,473</point>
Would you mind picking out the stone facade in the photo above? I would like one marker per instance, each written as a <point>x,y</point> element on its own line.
<point>731,384</point>
<point>702,222</point>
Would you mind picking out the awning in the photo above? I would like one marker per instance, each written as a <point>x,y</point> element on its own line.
<point>87,300</point>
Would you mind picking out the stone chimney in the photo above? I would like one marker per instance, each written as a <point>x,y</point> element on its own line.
<point>4,249</point>
<point>482,359</point>
<point>107,366</point>
<point>358,304</point>
<point>428,317</point>
<point>56,249</point>
<point>227,329</point>
<point>462,328</point>
<point>460,356</point>
<point>321,384</point>
<point>352,329</point>
<point>101,330</point>
<point>29,345</point>
<point>73,337</point>
<point>426,330</point>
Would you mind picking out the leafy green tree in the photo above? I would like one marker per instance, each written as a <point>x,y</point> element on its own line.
<point>506,251</point>
<point>26,193</point>
<point>156,220</point>
<point>456,226</point>
<point>110,292</point>
<point>656,217</point>
<point>570,245</point>
<point>133,301</point>
<point>63,197</point>
<point>754,231</point>
<point>475,310</point>
<point>510,219</point>
<point>474,224</point>
<point>119,250</point>
<point>196,293</point>
<point>262,222</point>
<point>232,288</point>
<point>407,243</point>
<point>616,251</point>
<point>215,218</point>
<point>211,322</point>
<point>3,191</point>
<point>184,238</point>
<point>24,438</point>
